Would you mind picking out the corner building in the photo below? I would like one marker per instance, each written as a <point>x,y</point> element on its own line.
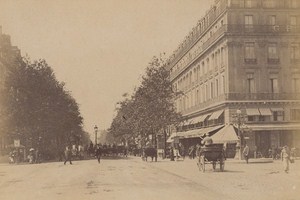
<point>240,66</point>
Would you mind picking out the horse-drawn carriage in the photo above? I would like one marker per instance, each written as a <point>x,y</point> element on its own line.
<point>211,154</point>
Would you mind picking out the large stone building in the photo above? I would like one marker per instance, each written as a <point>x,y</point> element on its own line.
<point>240,65</point>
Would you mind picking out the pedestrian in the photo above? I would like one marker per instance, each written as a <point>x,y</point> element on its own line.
<point>246,153</point>
<point>37,156</point>
<point>192,151</point>
<point>285,158</point>
<point>98,153</point>
<point>68,155</point>
<point>171,154</point>
<point>182,150</point>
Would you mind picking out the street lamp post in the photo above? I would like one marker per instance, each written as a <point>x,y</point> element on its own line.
<point>239,119</point>
<point>96,131</point>
<point>238,113</point>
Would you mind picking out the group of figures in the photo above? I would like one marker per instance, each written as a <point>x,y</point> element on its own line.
<point>18,155</point>
<point>108,149</point>
<point>92,151</point>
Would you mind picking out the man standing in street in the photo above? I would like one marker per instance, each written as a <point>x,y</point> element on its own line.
<point>246,153</point>
<point>98,152</point>
<point>285,158</point>
<point>68,155</point>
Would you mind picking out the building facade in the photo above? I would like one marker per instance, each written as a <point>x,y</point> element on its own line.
<point>240,65</point>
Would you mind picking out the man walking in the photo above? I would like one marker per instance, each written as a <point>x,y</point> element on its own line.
<point>246,153</point>
<point>68,155</point>
<point>98,152</point>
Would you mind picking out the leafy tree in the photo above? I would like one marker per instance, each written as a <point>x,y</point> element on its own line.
<point>38,109</point>
<point>150,109</point>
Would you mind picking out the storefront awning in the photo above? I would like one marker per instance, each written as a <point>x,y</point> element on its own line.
<point>252,111</point>
<point>172,136</point>
<point>225,135</point>
<point>265,111</point>
<point>198,132</point>
<point>216,115</point>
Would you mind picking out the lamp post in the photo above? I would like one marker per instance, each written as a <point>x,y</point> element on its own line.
<point>96,131</point>
<point>239,119</point>
<point>238,114</point>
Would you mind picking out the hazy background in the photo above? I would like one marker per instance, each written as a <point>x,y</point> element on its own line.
<point>99,48</point>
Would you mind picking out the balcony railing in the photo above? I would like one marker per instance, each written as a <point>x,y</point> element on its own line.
<point>242,97</point>
<point>273,61</point>
<point>255,29</point>
<point>251,61</point>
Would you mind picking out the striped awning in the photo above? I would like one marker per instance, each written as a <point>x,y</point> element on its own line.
<point>265,111</point>
<point>199,132</point>
<point>199,119</point>
<point>227,134</point>
<point>252,111</point>
<point>216,115</point>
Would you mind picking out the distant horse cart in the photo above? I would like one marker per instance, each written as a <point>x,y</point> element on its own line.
<point>211,154</point>
<point>149,152</point>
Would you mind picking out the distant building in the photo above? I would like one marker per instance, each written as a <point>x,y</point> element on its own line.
<point>242,55</point>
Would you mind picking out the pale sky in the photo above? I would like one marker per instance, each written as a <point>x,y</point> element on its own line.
<point>99,48</point>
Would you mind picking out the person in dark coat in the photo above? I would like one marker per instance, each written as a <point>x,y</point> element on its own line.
<point>171,153</point>
<point>98,153</point>
<point>68,155</point>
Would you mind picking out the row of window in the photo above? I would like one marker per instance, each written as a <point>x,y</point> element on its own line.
<point>272,50</point>
<point>202,93</point>
<point>271,21</point>
<point>201,69</point>
<point>249,50</point>
<point>216,87</point>
<point>249,25</point>
<point>273,84</point>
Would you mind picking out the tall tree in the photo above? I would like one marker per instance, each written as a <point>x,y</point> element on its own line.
<point>151,108</point>
<point>38,108</point>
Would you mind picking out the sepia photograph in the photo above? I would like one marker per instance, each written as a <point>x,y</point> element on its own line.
<point>150,99</point>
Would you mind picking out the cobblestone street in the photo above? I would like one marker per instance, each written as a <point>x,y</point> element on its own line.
<point>134,179</point>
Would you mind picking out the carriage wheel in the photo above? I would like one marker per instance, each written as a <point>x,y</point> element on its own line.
<point>214,165</point>
<point>202,163</point>
<point>222,165</point>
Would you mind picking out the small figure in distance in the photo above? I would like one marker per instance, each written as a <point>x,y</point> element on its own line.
<point>285,158</point>
<point>246,153</point>
<point>98,152</point>
<point>68,155</point>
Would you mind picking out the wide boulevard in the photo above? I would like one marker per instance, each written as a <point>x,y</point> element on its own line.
<point>131,178</point>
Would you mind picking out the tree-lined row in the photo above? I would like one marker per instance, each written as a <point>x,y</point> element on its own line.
<point>149,110</point>
<point>37,108</point>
